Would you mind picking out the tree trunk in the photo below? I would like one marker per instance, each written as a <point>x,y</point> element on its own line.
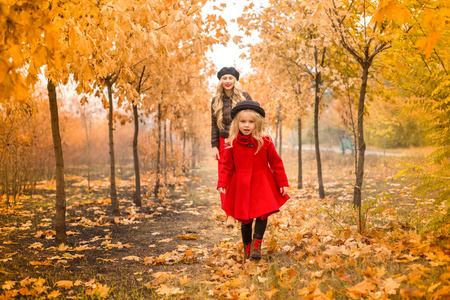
<point>171,139</point>
<point>193,140</point>
<point>137,174</point>
<point>277,127</point>
<point>300,173</point>
<point>280,128</point>
<point>114,199</point>
<point>87,127</point>
<point>361,147</point>
<point>316,134</point>
<point>137,194</point>
<point>184,165</point>
<point>158,155</point>
<point>184,145</point>
<point>60,215</point>
<point>165,152</point>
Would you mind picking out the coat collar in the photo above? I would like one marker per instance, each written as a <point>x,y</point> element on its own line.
<point>244,139</point>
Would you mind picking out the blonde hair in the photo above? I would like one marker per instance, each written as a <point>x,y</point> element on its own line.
<point>236,97</point>
<point>258,133</point>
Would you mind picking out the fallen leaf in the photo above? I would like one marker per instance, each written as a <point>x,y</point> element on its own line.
<point>66,284</point>
<point>166,240</point>
<point>188,236</point>
<point>262,279</point>
<point>270,293</point>
<point>184,280</point>
<point>36,245</point>
<point>63,247</point>
<point>391,286</point>
<point>8,285</point>
<point>40,263</point>
<point>317,274</point>
<point>433,287</point>
<point>90,282</point>
<point>344,277</point>
<point>131,257</point>
<point>361,289</point>
<point>168,291</point>
<point>54,294</point>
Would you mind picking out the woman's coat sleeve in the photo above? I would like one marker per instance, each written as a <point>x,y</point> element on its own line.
<point>214,128</point>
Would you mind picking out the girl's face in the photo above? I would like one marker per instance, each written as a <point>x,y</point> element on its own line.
<point>246,123</point>
<point>228,82</point>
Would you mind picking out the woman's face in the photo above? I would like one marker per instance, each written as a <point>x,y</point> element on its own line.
<point>228,82</point>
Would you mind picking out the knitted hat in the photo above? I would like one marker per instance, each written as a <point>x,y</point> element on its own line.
<point>230,71</point>
<point>247,104</point>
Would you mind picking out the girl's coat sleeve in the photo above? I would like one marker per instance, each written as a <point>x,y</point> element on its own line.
<point>226,169</point>
<point>276,164</point>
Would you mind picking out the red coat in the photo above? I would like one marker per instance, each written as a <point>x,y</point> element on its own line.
<point>252,186</point>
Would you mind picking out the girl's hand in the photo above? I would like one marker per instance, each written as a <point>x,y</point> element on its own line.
<point>221,190</point>
<point>283,190</point>
<point>216,153</point>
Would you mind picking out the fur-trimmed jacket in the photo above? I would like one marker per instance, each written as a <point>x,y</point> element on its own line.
<point>216,132</point>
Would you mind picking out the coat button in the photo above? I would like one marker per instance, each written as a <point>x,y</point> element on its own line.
<point>250,145</point>
<point>245,141</point>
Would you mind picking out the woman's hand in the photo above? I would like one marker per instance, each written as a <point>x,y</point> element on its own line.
<point>216,154</point>
<point>283,190</point>
<point>221,190</point>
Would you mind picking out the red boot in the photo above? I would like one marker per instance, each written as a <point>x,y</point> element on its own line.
<point>247,251</point>
<point>255,251</point>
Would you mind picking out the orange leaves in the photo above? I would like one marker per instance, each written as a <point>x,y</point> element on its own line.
<point>391,286</point>
<point>393,10</point>
<point>99,290</point>
<point>188,236</point>
<point>344,277</point>
<point>222,22</point>
<point>169,291</point>
<point>434,23</point>
<point>40,263</point>
<point>132,258</point>
<point>271,293</point>
<point>426,44</point>
<point>66,284</point>
<point>361,289</point>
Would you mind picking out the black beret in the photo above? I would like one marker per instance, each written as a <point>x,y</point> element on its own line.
<point>230,70</point>
<point>247,104</point>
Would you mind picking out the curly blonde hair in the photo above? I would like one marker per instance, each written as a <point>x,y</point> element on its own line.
<point>259,133</point>
<point>236,97</point>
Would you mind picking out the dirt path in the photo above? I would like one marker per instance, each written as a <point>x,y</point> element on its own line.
<point>192,211</point>
<point>174,237</point>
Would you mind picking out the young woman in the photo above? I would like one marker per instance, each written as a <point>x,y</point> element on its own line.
<point>228,93</point>
<point>252,176</point>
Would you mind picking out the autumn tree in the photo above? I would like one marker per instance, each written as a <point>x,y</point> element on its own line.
<point>94,47</point>
<point>176,62</point>
<point>364,37</point>
<point>418,65</point>
<point>296,32</point>
<point>25,146</point>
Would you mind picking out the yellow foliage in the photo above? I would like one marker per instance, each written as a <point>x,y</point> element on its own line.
<point>393,10</point>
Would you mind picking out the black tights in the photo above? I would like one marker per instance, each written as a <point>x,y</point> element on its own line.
<point>246,230</point>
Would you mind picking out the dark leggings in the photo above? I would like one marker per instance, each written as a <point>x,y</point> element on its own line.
<point>246,230</point>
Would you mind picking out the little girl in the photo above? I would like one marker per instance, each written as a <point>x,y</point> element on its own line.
<point>253,189</point>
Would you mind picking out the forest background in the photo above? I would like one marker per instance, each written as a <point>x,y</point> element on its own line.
<point>102,91</point>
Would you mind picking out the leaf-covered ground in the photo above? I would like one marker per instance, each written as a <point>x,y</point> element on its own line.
<point>181,248</point>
